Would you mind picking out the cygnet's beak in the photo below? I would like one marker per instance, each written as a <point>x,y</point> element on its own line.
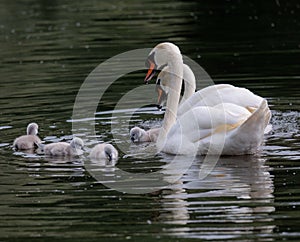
<point>109,155</point>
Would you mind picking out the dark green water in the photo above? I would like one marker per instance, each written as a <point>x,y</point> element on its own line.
<point>48,48</point>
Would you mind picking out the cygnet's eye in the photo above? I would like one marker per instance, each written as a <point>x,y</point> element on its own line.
<point>158,81</point>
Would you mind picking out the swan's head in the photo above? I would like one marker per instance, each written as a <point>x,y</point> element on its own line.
<point>32,129</point>
<point>137,134</point>
<point>77,143</point>
<point>110,152</point>
<point>160,57</point>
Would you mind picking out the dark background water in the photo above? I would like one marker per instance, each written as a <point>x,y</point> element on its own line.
<point>48,48</point>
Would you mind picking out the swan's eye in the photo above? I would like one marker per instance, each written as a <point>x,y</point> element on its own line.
<point>158,81</point>
<point>149,60</point>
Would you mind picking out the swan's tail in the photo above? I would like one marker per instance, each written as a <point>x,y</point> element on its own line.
<point>260,118</point>
<point>268,129</point>
<point>251,132</point>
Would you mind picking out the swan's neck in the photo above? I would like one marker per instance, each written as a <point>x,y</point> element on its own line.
<point>176,72</point>
<point>189,83</point>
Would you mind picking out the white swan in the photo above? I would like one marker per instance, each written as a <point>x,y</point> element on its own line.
<point>104,152</point>
<point>198,127</point>
<point>63,148</point>
<point>29,141</point>
<point>209,96</point>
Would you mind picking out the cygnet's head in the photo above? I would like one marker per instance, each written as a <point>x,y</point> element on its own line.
<point>137,134</point>
<point>32,129</point>
<point>111,152</point>
<point>77,143</point>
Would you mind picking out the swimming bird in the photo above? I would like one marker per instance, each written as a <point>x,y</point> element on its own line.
<point>238,129</point>
<point>29,141</point>
<point>74,148</point>
<point>105,152</point>
<point>138,135</point>
<point>209,96</point>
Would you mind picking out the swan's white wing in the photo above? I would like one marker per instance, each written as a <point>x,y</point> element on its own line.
<point>222,93</point>
<point>199,129</point>
<point>201,122</point>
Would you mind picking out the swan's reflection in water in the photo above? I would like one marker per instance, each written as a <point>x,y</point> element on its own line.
<point>235,199</point>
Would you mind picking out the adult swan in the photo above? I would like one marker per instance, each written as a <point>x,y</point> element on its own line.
<point>226,128</point>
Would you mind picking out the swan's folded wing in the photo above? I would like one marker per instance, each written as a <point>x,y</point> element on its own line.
<point>209,96</point>
<point>201,122</point>
<point>222,93</point>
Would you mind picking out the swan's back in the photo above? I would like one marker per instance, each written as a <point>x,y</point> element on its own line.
<point>58,149</point>
<point>222,93</point>
<point>26,142</point>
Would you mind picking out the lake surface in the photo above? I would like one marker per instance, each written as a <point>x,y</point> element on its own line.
<point>49,48</point>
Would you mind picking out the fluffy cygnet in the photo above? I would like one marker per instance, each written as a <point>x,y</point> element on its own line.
<point>104,152</point>
<point>29,141</point>
<point>140,135</point>
<point>65,149</point>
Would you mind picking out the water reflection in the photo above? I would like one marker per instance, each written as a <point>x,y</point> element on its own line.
<point>236,196</point>
<point>238,193</point>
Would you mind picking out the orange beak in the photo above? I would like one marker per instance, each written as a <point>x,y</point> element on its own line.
<point>150,73</point>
